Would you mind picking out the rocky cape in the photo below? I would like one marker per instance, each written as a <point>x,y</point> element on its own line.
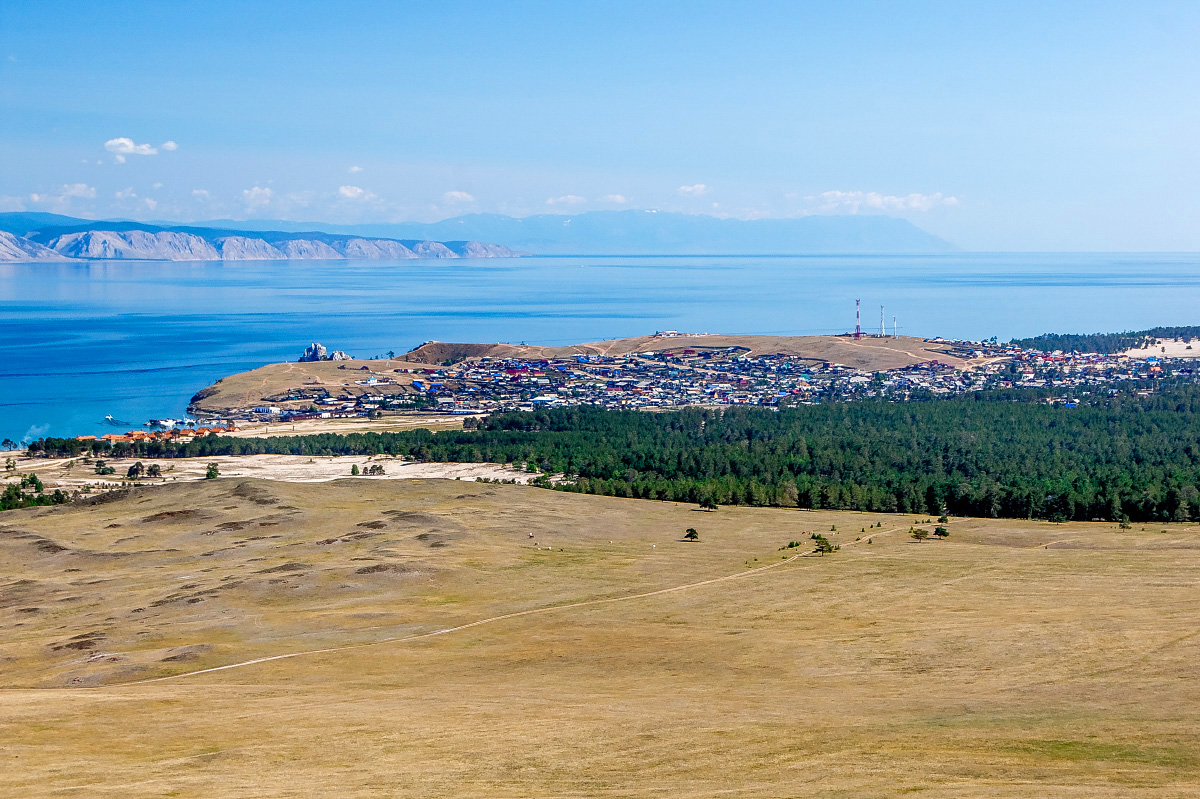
<point>28,237</point>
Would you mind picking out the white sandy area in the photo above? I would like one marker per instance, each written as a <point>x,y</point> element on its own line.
<point>343,426</point>
<point>1168,348</point>
<point>70,475</point>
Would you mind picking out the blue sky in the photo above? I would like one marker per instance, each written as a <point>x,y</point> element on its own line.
<point>1016,126</point>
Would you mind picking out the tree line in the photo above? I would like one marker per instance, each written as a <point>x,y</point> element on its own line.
<point>1105,343</point>
<point>984,454</point>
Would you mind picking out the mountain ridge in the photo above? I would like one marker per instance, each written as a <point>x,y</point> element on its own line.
<point>592,233</point>
<point>35,237</point>
<point>648,232</point>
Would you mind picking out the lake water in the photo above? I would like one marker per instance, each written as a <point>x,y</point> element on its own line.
<point>137,339</point>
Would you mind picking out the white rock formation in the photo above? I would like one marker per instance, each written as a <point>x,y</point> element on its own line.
<point>374,249</point>
<point>165,245</point>
<point>433,249</point>
<point>242,248</point>
<point>307,249</point>
<point>135,244</point>
<point>18,249</point>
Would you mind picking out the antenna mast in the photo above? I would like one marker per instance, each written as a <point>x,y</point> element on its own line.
<point>882,332</point>
<point>857,321</point>
<point>895,330</point>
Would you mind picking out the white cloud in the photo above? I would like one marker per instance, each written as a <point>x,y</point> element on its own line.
<point>170,145</point>
<point>615,199</point>
<point>123,146</point>
<point>156,185</point>
<point>81,190</point>
<point>355,193</point>
<point>354,170</point>
<point>151,204</point>
<point>200,194</point>
<point>566,199</point>
<point>855,201</point>
<point>256,197</point>
<point>61,200</point>
<point>125,194</point>
<point>458,197</point>
<point>693,191</point>
<point>11,203</point>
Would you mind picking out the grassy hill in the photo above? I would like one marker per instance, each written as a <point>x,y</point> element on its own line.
<point>1011,659</point>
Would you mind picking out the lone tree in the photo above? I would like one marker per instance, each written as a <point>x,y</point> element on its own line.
<point>941,532</point>
<point>135,471</point>
<point>920,534</point>
<point>154,470</point>
<point>211,471</point>
<point>354,469</point>
<point>691,535</point>
<point>823,544</point>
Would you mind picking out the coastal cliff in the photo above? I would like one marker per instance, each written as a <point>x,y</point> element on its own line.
<point>133,241</point>
<point>14,249</point>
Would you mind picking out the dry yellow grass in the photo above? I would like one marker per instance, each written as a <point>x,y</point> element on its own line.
<point>246,389</point>
<point>1014,659</point>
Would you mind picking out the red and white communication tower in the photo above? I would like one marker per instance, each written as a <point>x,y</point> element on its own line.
<point>857,321</point>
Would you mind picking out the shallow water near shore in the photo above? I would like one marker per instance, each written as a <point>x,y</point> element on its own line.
<point>137,339</point>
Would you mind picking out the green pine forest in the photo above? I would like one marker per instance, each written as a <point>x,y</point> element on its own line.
<point>989,454</point>
<point>1105,343</point>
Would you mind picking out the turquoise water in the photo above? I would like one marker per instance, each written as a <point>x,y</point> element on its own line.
<point>137,339</point>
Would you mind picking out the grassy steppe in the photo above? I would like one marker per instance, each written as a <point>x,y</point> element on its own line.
<point>1013,659</point>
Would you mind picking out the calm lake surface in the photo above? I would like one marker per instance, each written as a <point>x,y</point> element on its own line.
<point>137,339</point>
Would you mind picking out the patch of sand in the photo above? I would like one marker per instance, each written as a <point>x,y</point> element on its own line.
<point>71,475</point>
<point>1167,348</point>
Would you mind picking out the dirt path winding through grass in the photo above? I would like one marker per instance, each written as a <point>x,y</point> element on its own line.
<point>477,623</point>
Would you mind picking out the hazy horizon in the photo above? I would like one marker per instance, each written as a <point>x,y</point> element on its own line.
<point>1065,127</point>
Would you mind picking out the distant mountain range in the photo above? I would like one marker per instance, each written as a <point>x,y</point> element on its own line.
<point>35,237</point>
<point>657,233</point>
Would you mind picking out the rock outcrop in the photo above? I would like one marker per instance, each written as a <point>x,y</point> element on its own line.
<point>90,240</point>
<point>135,244</point>
<point>313,352</point>
<point>317,352</point>
<point>243,248</point>
<point>309,250</point>
<point>374,249</point>
<point>18,249</point>
<point>432,249</point>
